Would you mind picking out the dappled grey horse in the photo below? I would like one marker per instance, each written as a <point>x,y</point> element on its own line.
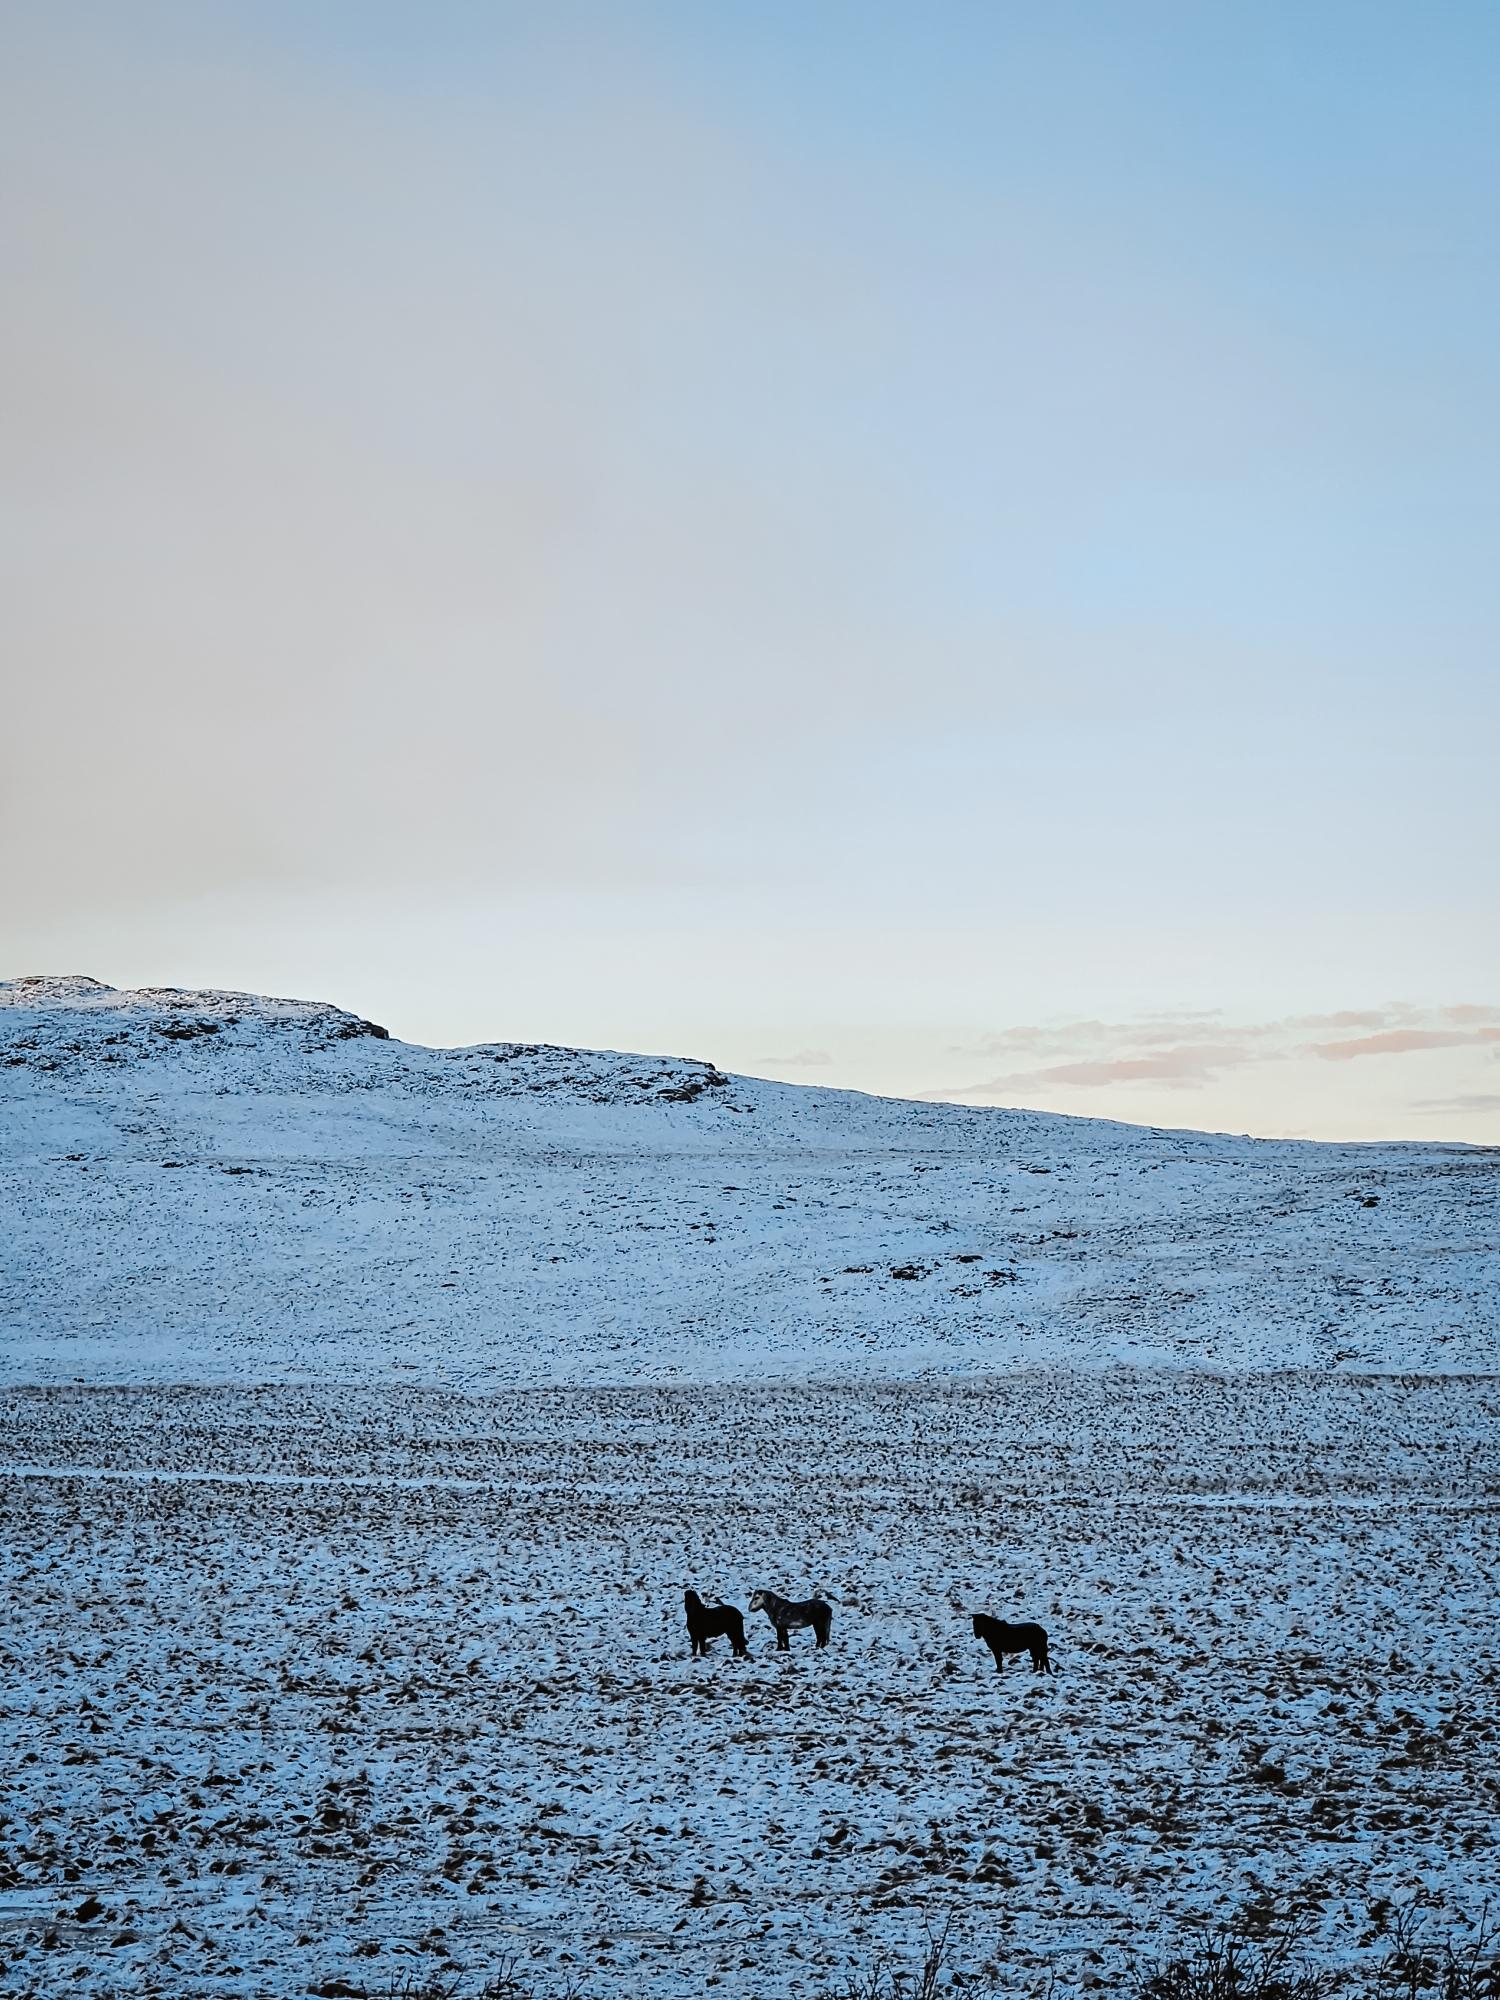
<point>787,1614</point>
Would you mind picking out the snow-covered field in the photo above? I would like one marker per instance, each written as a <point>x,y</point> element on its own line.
<point>367,1408</point>
<point>398,1680</point>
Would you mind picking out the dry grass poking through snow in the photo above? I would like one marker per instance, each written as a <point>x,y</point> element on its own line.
<point>396,1683</point>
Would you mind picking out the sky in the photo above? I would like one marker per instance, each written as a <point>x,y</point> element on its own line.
<point>947,549</point>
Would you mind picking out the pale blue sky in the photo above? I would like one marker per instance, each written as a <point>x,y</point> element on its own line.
<point>784,532</point>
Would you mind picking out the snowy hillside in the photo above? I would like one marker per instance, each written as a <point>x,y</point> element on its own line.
<point>217,1187</point>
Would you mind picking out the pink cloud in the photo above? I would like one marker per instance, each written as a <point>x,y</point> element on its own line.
<point>1180,1067</point>
<point>1403,1041</point>
<point>1184,1050</point>
<point>1351,1017</point>
<point>1176,1065</point>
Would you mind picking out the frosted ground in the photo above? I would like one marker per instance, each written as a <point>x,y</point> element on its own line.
<point>368,1408</point>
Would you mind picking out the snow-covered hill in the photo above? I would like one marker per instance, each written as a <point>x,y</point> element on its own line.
<point>220,1187</point>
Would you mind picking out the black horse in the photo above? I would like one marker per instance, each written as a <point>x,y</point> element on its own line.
<point>707,1621</point>
<point>787,1614</point>
<point>1002,1639</point>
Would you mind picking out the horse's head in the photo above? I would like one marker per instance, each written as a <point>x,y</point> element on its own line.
<point>758,1601</point>
<point>692,1600</point>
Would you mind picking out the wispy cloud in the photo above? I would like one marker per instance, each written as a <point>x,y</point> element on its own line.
<point>1188,1050</point>
<point>1404,1041</point>
<point>1367,1017</point>
<point>803,1059</point>
<point>1185,1064</point>
<point>1471,1102</point>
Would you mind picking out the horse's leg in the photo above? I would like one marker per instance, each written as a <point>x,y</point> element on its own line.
<point>783,1639</point>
